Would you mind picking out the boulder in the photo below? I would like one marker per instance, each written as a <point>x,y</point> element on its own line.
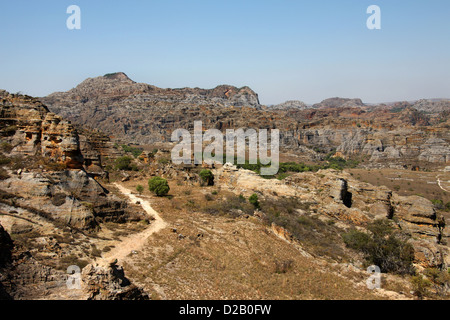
<point>109,283</point>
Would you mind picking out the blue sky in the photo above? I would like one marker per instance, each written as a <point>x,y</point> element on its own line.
<point>284,50</point>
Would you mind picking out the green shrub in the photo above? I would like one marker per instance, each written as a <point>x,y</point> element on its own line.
<point>207,177</point>
<point>136,152</point>
<point>163,161</point>
<point>159,186</point>
<point>254,201</point>
<point>123,163</point>
<point>140,189</point>
<point>356,240</point>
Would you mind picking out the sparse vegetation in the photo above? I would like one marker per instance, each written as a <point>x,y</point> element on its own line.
<point>136,152</point>
<point>283,266</point>
<point>232,206</point>
<point>420,286</point>
<point>383,247</point>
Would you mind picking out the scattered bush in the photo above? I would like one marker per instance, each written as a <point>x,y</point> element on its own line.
<point>72,260</point>
<point>232,206</point>
<point>123,163</point>
<point>139,189</point>
<point>438,277</point>
<point>136,152</point>
<point>356,240</point>
<point>163,161</point>
<point>254,201</point>
<point>159,186</point>
<point>207,177</point>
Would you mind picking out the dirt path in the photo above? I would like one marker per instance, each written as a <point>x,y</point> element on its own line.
<point>440,183</point>
<point>136,241</point>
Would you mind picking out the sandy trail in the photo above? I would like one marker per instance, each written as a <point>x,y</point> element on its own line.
<point>136,241</point>
<point>440,183</point>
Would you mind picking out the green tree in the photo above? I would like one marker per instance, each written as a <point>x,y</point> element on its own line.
<point>207,177</point>
<point>140,189</point>
<point>159,186</point>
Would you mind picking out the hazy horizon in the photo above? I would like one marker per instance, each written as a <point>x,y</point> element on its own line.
<point>283,50</point>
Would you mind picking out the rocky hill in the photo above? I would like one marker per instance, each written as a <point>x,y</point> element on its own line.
<point>144,114</point>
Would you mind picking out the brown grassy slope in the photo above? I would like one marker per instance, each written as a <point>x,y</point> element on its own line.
<point>217,257</point>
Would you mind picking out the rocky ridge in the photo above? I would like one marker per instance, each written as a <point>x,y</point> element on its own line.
<point>145,114</point>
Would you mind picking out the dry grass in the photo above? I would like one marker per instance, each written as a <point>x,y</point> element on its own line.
<point>222,257</point>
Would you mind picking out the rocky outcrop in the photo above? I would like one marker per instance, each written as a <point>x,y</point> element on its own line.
<point>70,197</point>
<point>432,106</point>
<point>28,126</point>
<point>339,103</point>
<point>109,283</point>
<point>292,104</point>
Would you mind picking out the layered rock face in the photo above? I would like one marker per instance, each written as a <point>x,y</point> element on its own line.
<point>31,129</point>
<point>71,197</point>
<point>144,114</point>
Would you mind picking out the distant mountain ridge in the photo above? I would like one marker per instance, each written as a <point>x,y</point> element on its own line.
<point>118,85</point>
<point>144,114</point>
